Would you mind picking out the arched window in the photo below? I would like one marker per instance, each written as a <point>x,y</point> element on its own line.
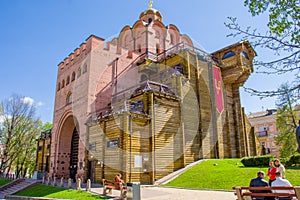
<point>84,68</point>
<point>69,98</point>
<point>68,80</point>
<point>171,38</point>
<point>58,87</point>
<point>73,76</point>
<point>78,72</point>
<point>157,49</point>
<point>245,55</point>
<point>126,41</point>
<point>228,55</point>
<point>149,20</point>
<point>63,84</point>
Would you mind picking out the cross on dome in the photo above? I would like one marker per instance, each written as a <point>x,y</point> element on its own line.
<point>150,4</point>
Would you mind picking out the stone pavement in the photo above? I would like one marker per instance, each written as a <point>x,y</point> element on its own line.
<point>167,193</point>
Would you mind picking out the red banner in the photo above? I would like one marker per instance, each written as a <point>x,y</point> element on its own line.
<point>218,88</point>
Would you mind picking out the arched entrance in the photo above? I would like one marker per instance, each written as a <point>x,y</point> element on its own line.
<point>74,148</point>
<point>68,146</point>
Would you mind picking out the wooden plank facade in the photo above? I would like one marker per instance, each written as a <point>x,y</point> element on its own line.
<point>170,123</point>
<point>148,103</point>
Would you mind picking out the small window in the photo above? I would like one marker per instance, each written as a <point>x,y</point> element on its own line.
<point>40,148</point>
<point>78,72</point>
<point>68,80</point>
<point>63,84</point>
<point>69,98</point>
<point>245,55</point>
<point>178,69</point>
<point>149,20</point>
<point>48,146</point>
<point>228,55</point>
<point>73,76</point>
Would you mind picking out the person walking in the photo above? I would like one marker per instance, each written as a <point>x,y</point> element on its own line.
<point>271,172</point>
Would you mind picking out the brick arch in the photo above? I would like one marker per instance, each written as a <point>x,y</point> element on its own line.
<point>68,125</point>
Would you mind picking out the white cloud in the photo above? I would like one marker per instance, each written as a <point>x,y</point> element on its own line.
<point>39,104</point>
<point>28,100</point>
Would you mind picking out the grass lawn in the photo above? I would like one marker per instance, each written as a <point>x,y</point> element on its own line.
<point>224,174</point>
<point>56,192</point>
<point>4,181</point>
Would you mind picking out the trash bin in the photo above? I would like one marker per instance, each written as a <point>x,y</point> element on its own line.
<point>133,191</point>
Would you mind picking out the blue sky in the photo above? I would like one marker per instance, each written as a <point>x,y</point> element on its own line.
<point>37,35</point>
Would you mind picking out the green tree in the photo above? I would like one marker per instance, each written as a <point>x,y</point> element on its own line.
<point>282,39</point>
<point>286,121</point>
<point>46,126</point>
<point>18,132</point>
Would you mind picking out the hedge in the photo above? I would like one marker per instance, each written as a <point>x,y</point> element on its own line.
<point>257,161</point>
<point>264,160</point>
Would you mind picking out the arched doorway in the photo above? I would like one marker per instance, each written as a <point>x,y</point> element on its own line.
<point>74,148</point>
<point>68,147</point>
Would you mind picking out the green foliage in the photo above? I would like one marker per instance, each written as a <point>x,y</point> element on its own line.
<point>257,161</point>
<point>284,15</point>
<point>224,174</point>
<point>18,132</point>
<point>282,39</point>
<point>46,126</point>
<point>285,161</point>
<point>56,192</point>
<point>295,159</point>
<point>286,121</point>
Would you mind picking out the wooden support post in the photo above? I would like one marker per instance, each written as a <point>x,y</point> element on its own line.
<point>238,191</point>
<point>297,191</point>
<point>88,185</point>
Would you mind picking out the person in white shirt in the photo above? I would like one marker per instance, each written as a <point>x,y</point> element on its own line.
<point>282,182</point>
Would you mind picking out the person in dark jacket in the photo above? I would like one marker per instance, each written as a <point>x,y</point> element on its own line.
<point>259,181</point>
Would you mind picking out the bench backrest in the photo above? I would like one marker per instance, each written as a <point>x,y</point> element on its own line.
<point>240,193</point>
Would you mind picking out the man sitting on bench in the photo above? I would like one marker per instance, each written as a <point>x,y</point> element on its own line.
<point>259,181</point>
<point>282,182</point>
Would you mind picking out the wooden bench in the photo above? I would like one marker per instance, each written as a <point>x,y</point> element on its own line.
<point>109,185</point>
<point>243,191</point>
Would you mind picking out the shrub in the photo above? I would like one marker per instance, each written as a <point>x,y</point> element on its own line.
<point>286,161</point>
<point>295,159</point>
<point>257,161</point>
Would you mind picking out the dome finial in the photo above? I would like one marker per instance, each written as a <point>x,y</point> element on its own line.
<point>150,4</point>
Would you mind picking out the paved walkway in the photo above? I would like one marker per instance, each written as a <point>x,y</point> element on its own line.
<point>166,193</point>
